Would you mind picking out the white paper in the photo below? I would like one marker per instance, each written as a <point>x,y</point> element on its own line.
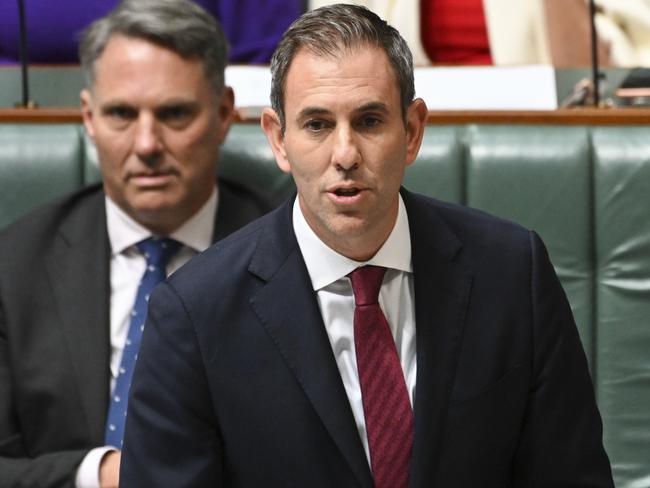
<point>442,88</point>
<point>487,87</point>
<point>251,84</point>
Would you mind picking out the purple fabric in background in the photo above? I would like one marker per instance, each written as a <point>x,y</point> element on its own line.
<point>253,27</point>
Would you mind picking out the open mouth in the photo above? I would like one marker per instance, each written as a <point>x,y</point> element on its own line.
<point>346,192</point>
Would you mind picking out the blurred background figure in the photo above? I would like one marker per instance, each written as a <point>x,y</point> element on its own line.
<point>76,274</point>
<point>404,15</point>
<point>625,25</point>
<point>441,32</point>
<point>511,32</point>
<point>253,28</point>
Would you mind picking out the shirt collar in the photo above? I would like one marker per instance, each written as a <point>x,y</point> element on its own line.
<point>196,233</point>
<point>325,266</point>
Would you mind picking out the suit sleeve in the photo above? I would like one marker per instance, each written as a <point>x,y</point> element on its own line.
<point>17,467</point>
<point>171,435</point>
<point>561,442</point>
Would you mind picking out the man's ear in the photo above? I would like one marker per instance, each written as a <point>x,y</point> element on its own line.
<point>272,127</point>
<point>416,121</point>
<point>87,112</point>
<point>226,110</point>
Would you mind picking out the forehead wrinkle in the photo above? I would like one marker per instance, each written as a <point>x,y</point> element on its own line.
<point>335,84</point>
<point>362,89</point>
<point>132,66</point>
<point>342,80</point>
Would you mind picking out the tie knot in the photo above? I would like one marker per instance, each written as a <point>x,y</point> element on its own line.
<point>158,250</point>
<point>366,282</point>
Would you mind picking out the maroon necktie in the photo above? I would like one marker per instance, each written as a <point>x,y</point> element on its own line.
<point>386,406</point>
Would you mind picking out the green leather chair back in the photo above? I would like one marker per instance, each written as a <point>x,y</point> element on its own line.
<point>622,217</point>
<point>540,177</point>
<point>439,168</point>
<point>37,164</point>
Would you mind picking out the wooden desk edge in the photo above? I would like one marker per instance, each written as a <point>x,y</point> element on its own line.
<point>579,116</point>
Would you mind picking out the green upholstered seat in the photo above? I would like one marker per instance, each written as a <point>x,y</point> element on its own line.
<point>622,217</point>
<point>247,157</point>
<point>37,164</point>
<point>540,177</point>
<point>438,170</point>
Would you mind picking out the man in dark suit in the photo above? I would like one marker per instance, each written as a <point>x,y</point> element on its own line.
<point>361,335</point>
<point>157,110</point>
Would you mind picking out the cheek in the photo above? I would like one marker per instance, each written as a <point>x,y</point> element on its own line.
<point>113,147</point>
<point>390,162</point>
<point>308,161</point>
<point>195,149</point>
<point>111,162</point>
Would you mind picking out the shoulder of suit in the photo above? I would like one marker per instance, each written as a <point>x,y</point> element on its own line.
<point>42,223</point>
<point>465,222</point>
<point>228,257</point>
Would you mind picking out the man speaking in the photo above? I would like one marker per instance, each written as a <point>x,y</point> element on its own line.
<point>361,335</point>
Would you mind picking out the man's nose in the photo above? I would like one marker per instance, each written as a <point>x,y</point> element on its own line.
<point>345,153</point>
<point>147,143</point>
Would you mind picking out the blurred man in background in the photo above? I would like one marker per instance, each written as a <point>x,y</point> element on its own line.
<point>75,275</point>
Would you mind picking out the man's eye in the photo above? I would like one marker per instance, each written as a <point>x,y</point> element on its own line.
<point>176,117</point>
<point>315,125</point>
<point>121,113</point>
<point>173,113</point>
<point>369,122</point>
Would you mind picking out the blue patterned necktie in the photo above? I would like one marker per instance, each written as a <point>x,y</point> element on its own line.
<point>157,252</point>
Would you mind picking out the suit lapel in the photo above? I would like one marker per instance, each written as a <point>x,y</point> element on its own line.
<point>442,287</point>
<point>288,309</point>
<point>79,257</point>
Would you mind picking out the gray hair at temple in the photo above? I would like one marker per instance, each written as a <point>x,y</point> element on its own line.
<point>179,25</point>
<point>332,30</point>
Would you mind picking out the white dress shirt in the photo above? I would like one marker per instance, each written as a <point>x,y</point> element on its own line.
<point>328,272</point>
<point>127,266</point>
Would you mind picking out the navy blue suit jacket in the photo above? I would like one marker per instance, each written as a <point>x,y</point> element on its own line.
<point>236,383</point>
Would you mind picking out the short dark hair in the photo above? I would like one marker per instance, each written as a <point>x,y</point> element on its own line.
<point>331,30</point>
<point>179,25</point>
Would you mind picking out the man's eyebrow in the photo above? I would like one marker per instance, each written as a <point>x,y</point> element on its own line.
<point>113,104</point>
<point>179,102</point>
<point>372,107</point>
<point>368,107</point>
<point>311,111</point>
<point>186,105</point>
